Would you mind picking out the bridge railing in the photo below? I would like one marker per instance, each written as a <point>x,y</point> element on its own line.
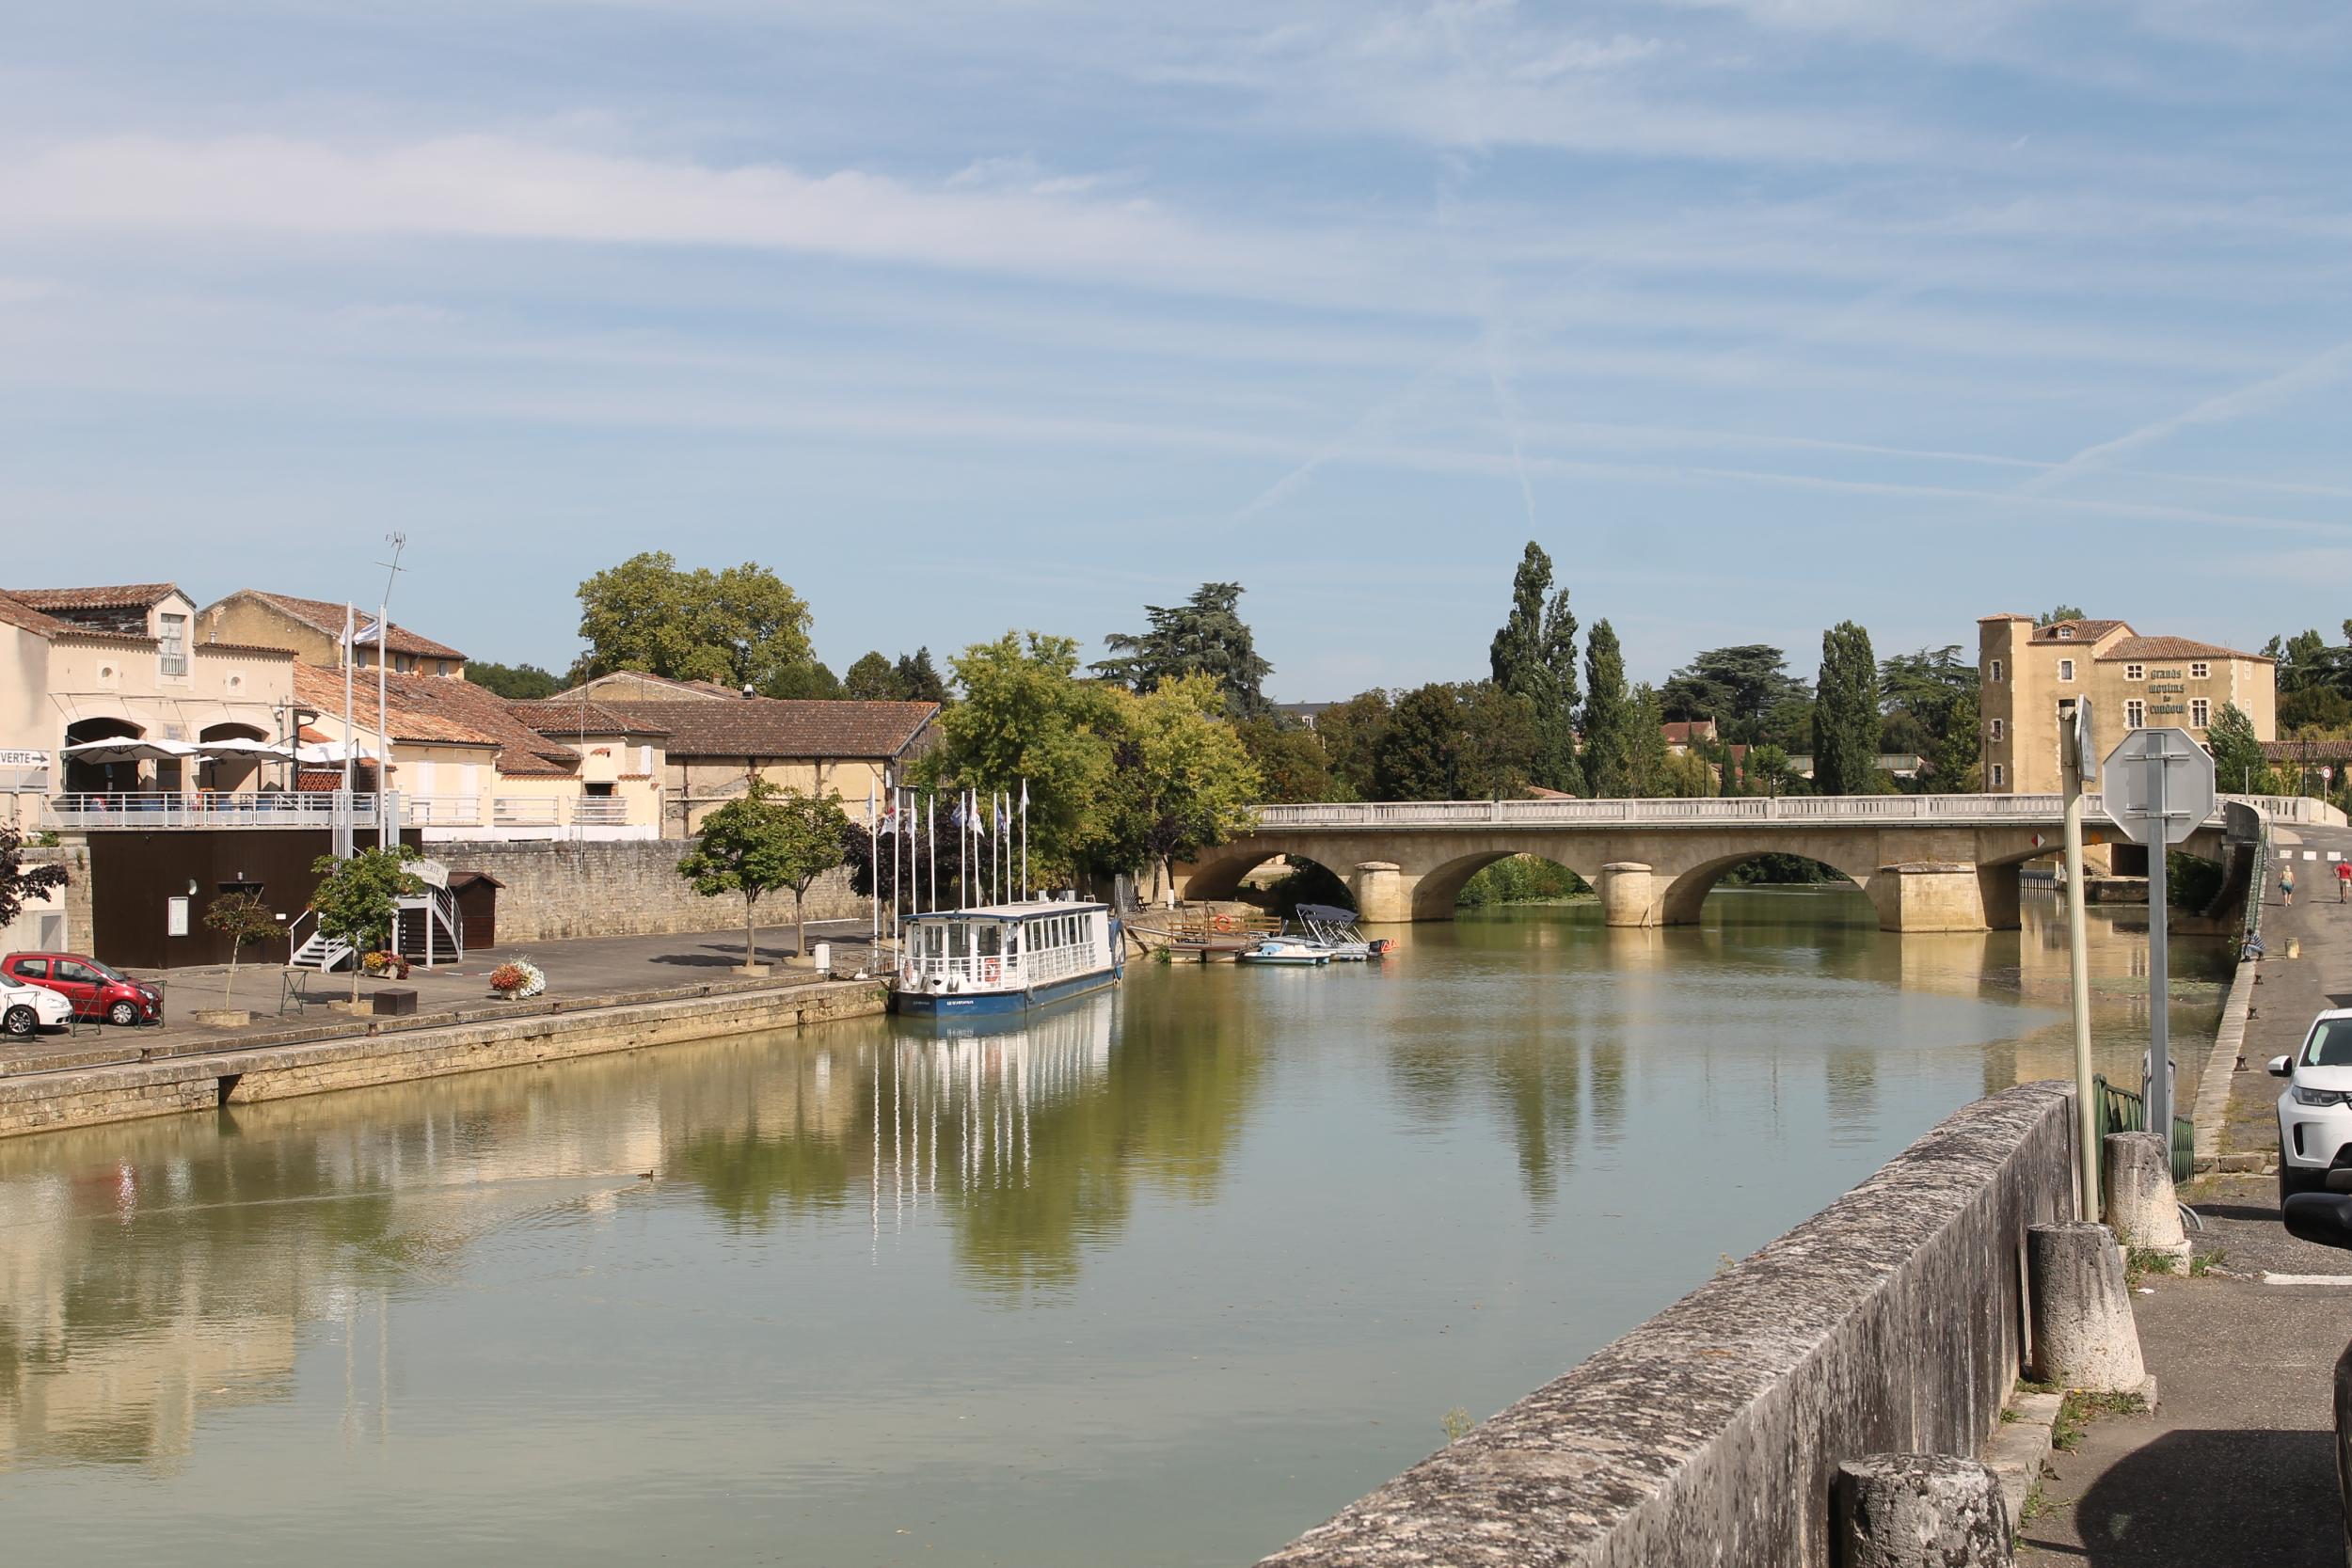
<point>1734,810</point>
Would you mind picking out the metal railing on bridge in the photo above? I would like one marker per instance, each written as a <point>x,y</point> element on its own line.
<point>1971,809</point>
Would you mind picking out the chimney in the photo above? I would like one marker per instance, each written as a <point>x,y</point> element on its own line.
<point>747,689</point>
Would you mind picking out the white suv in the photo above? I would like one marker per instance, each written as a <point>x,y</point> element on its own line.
<point>26,1009</point>
<point>2315,1113</point>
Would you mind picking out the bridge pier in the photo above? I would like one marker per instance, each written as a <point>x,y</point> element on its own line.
<point>1382,896</point>
<point>1629,895</point>
<point>1929,895</point>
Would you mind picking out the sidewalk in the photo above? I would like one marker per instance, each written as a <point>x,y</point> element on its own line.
<point>2237,1464</point>
<point>579,969</point>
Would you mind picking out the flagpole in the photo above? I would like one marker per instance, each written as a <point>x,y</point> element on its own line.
<point>931,843</point>
<point>1025,838</point>
<point>873,868</point>
<point>350,651</point>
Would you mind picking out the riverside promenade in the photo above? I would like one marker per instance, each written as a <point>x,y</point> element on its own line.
<point>604,995</point>
<point>2236,1464</point>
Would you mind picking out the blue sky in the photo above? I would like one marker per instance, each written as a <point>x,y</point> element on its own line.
<point>1760,314</point>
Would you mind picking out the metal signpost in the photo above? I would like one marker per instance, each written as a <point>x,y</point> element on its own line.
<point>2081,762</point>
<point>2160,788</point>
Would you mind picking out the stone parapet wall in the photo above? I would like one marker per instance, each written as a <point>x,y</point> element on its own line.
<point>1891,1322</point>
<point>40,1103</point>
<point>628,887</point>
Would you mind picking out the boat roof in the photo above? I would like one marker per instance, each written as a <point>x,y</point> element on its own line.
<point>1329,914</point>
<point>1008,911</point>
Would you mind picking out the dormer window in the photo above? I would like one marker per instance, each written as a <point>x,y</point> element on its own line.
<point>2135,672</point>
<point>2066,633</point>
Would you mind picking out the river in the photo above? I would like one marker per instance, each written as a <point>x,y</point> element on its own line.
<point>1163,1279</point>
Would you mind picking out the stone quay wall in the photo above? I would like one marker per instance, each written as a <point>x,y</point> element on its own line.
<point>1891,1322</point>
<point>46,1101</point>
<point>628,887</point>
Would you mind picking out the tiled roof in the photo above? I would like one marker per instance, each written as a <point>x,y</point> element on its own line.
<point>239,648</point>
<point>438,708</point>
<point>2307,750</point>
<point>1680,730</point>
<point>612,686</point>
<point>16,613</point>
<point>322,616</point>
<point>2085,631</point>
<point>135,595</point>
<point>776,727</point>
<point>570,716</point>
<point>2172,647</point>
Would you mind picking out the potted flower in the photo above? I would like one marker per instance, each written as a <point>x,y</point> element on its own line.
<point>384,965</point>
<point>517,979</point>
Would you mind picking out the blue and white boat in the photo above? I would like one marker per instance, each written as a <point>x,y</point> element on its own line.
<point>1004,957</point>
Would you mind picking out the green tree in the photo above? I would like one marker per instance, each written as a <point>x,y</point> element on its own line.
<point>1926,686</point>
<point>1735,687</point>
<point>1181,780</point>
<point>519,682</point>
<point>1957,764</point>
<point>1026,715</point>
<point>1653,776</point>
<point>1534,659</point>
<point>1472,741</point>
<point>767,838</point>
<point>1289,759</point>
<point>1610,717</point>
<point>809,682</point>
<point>2062,612</point>
<point>1767,772</point>
<point>872,679</point>
<point>918,679</point>
<point>741,627</point>
<point>2238,764</point>
<point>358,899</point>
<point>1846,714</point>
<point>243,919</point>
<point>1203,635</point>
<point>19,881</point>
<point>1352,734</point>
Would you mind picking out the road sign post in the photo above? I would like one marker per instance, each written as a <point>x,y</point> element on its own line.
<point>2079,764</point>
<point>2160,788</point>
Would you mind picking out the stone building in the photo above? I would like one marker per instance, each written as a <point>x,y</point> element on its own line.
<point>717,742</point>
<point>2133,681</point>
<point>313,628</point>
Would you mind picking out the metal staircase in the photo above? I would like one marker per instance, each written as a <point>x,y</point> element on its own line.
<point>318,950</point>
<point>429,929</point>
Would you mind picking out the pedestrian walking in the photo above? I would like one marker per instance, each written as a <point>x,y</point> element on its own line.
<point>2286,884</point>
<point>2344,881</point>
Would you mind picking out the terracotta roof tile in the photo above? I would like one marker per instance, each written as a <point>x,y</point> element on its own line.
<point>434,708</point>
<point>16,613</point>
<point>569,716</point>
<point>2085,631</point>
<point>135,595</point>
<point>776,727</point>
<point>322,615</point>
<point>2172,647</point>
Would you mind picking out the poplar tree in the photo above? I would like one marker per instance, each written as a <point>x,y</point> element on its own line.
<point>1846,714</point>
<point>1609,716</point>
<point>1534,659</point>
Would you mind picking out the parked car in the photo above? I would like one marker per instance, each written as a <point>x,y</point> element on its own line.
<point>94,990</point>
<point>26,1009</point>
<point>2315,1112</point>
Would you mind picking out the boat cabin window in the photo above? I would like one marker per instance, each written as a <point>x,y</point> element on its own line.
<point>958,946</point>
<point>987,943</point>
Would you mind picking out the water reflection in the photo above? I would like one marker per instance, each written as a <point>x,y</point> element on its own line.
<point>1229,1233</point>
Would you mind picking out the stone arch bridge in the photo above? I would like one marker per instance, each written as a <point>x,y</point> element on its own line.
<point>1929,863</point>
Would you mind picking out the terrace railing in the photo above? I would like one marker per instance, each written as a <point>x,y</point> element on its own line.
<point>144,810</point>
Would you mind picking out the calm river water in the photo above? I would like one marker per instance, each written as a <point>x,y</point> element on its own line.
<point>1163,1279</point>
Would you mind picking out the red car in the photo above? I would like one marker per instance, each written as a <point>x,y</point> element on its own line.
<point>96,990</point>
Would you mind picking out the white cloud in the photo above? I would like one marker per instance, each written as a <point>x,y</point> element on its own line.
<point>492,187</point>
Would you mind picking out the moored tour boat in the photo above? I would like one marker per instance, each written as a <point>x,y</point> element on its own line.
<point>1004,957</point>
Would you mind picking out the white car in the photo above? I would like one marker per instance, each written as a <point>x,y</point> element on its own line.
<point>2315,1113</point>
<point>26,1009</point>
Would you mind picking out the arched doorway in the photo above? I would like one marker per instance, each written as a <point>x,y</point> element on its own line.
<point>232,775</point>
<point>100,778</point>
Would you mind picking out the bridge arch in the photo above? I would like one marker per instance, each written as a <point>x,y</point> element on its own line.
<point>1440,885</point>
<point>1217,875</point>
<point>1687,892</point>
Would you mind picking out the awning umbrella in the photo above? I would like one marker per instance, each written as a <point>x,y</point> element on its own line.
<point>241,746</point>
<point>315,754</point>
<point>128,749</point>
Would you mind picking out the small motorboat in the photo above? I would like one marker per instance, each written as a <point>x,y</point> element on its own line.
<point>1335,929</point>
<point>1285,950</point>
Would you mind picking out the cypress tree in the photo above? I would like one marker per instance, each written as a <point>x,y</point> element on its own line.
<point>1556,767</point>
<point>1609,716</point>
<point>1534,659</point>
<point>1846,714</point>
